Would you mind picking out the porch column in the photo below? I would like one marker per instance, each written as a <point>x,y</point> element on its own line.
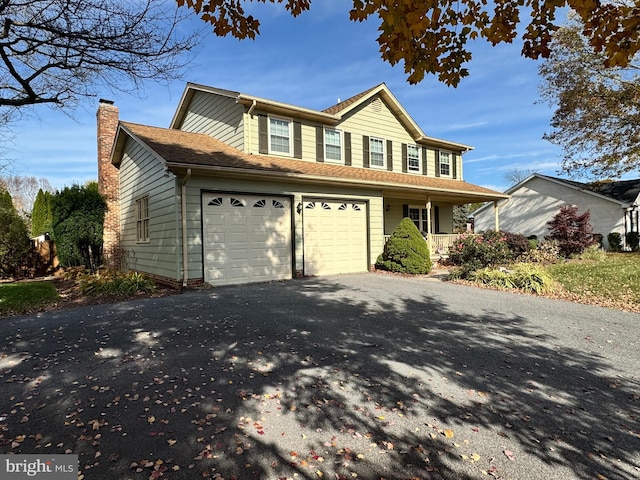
<point>429,242</point>
<point>496,215</point>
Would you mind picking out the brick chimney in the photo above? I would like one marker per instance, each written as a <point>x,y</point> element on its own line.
<point>109,182</point>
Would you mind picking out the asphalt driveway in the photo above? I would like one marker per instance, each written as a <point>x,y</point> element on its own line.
<point>358,376</point>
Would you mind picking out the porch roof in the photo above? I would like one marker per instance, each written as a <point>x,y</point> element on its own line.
<point>205,155</point>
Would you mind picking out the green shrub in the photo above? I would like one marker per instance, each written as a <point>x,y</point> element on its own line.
<point>633,240</point>
<point>615,242</point>
<point>14,238</point>
<point>77,216</point>
<point>406,251</point>
<point>526,277</point>
<point>473,252</point>
<point>111,282</point>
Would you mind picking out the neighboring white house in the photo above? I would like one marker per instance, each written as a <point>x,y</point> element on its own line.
<point>613,206</point>
<point>243,189</point>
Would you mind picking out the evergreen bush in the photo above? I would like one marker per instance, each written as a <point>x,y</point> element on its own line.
<point>406,251</point>
<point>77,214</point>
<point>633,241</point>
<point>41,214</point>
<point>615,242</point>
<point>14,238</point>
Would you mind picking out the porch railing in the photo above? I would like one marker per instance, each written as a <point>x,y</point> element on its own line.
<point>439,243</point>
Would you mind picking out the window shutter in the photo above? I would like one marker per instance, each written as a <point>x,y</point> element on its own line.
<point>405,210</point>
<point>390,155</point>
<point>454,165</point>
<point>424,161</point>
<point>436,219</point>
<point>365,151</point>
<point>405,167</point>
<point>263,134</point>
<point>437,163</point>
<point>347,148</point>
<point>297,139</point>
<point>319,144</point>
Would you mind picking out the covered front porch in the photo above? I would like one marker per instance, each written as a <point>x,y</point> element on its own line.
<point>433,215</point>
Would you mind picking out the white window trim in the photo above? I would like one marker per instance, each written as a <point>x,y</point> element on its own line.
<point>423,217</point>
<point>324,140</point>
<point>141,220</point>
<point>384,153</point>
<point>450,154</point>
<point>291,139</point>
<point>419,150</point>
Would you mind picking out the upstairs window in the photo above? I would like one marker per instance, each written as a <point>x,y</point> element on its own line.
<point>445,164</point>
<point>333,145</point>
<point>279,136</point>
<point>376,152</point>
<point>142,219</point>
<point>413,158</point>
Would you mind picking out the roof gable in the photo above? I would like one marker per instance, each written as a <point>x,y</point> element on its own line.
<point>329,116</point>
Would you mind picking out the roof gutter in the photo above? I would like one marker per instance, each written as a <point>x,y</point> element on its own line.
<point>183,201</point>
<point>293,176</point>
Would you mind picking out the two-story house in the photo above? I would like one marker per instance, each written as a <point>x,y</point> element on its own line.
<point>243,189</point>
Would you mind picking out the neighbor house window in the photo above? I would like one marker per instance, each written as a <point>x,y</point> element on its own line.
<point>142,219</point>
<point>332,144</point>
<point>413,158</point>
<point>279,135</point>
<point>376,152</point>
<point>445,164</point>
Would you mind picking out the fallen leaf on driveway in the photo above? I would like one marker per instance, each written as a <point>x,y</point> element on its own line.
<point>509,454</point>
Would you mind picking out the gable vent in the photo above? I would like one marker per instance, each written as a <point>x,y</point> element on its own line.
<point>376,105</point>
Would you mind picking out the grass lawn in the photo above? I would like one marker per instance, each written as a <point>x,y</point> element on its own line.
<point>24,297</point>
<point>615,279</point>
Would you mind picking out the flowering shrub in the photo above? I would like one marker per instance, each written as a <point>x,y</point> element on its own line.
<point>473,252</point>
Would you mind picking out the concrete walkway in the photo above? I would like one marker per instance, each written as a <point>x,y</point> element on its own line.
<point>358,376</point>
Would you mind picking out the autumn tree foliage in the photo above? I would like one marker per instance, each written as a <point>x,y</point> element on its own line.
<point>571,230</point>
<point>596,119</point>
<point>431,36</point>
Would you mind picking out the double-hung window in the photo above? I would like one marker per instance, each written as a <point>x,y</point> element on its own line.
<point>376,152</point>
<point>445,164</point>
<point>333,145</point>
<point>142,219</point>
<point>280,136</point>
<point>413,158</point>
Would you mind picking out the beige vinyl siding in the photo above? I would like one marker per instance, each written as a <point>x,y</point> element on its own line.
<point>143,174</point>
<point>394,215</point>
<point>374,119</point>
<point>215,115</point>
<point>537,201</point>
<point>296,192</point>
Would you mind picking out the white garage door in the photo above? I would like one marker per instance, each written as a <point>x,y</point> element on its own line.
<point>335,237</point>
<point>247,238</point>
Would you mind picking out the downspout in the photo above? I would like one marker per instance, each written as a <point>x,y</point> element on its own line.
<point>183,201</point>
<point>250,113</point>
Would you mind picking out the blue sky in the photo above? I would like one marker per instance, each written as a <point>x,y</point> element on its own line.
<point>313,61</point>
